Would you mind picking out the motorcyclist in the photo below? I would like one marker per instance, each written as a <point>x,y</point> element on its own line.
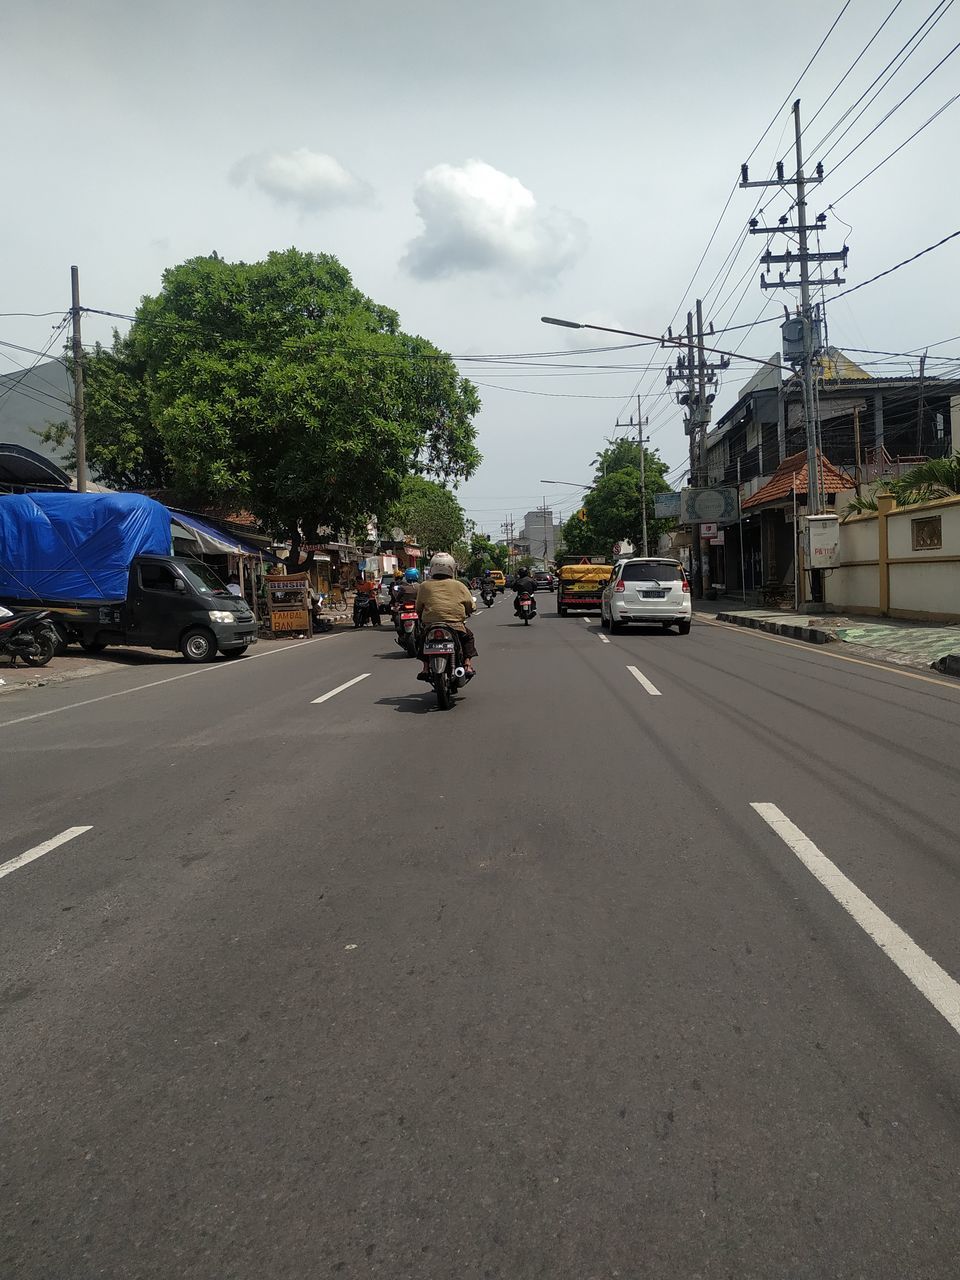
<point>524,586</point>
<point>445,601</point>
<point>366,598</point>
<point>409,586</point>
<point>486,586</point>
<point>406,593</point>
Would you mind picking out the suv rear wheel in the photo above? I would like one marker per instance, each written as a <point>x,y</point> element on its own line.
<point>684,628</point>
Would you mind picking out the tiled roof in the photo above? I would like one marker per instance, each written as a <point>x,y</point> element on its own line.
<point>792,473</point>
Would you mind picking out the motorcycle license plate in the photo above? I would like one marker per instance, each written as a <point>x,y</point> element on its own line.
<point>431,649</point>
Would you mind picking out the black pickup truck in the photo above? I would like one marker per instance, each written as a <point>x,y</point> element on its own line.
<point>171,603</point>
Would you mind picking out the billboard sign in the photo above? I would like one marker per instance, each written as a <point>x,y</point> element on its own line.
<point>666,506</point>
<point>717,506</point>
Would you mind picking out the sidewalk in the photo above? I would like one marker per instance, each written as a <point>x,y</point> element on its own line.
<point>907,644</point>
<point>76,665</point>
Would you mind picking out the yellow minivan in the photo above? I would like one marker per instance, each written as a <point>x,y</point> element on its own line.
<point>499,581</point>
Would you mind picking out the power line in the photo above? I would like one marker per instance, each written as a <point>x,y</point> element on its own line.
<point>896,150</point>
<point>936,14</point>
<point>890,270</point>
<point>40,356</point>
<point>894,108</point>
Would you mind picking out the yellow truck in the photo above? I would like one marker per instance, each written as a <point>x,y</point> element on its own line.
<point>580,580</point>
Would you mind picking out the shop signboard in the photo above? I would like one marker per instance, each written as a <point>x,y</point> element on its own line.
<point>289,602</point>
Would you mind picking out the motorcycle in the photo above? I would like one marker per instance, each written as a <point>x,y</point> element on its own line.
<point>441,649</point>
<point>365,609</point>
<point>29,635</point>
<point>406,623</point>
<point>526,608</point>
<point>488,595</point>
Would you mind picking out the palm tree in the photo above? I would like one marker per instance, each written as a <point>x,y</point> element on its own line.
<point>927,481</point>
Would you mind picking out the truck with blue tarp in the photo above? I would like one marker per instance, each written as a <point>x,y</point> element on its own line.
<point>101,563</point>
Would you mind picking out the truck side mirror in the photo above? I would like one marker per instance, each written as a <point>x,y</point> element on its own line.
<point>179,584</point>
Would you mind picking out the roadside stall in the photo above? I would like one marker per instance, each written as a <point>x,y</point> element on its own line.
<point>288,602</point>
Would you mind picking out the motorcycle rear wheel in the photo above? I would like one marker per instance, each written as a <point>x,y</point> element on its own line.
<point>47,640</point>
<point>444,701</point>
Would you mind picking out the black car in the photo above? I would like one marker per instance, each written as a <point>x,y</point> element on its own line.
<point>543,580</point>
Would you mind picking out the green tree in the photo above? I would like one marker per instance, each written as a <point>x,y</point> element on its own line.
<point>615,508</point>
<point>579,537</point>
<point>621,453</point>
<point>429,512</point>
<point>925,482</point>
<point>485,554</point>
<point>277,386</point>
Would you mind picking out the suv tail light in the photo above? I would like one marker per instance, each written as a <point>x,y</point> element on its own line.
<point>686,585</point>
<point>620,586</point>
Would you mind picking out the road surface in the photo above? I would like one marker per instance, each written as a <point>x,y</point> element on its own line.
<point>639,962</point>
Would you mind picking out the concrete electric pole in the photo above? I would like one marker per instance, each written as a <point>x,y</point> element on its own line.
<point>628,427</point>
<point>79,419</point>
<point>697,374</point>
<point>803,257</point>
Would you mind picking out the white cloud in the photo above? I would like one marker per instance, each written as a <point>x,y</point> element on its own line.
<point>310,180</point>
<point>476,218</point>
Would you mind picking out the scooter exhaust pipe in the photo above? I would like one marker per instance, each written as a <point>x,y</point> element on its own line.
<point>459,672</point>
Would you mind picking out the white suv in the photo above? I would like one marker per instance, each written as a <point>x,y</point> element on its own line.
<point>650,591</point>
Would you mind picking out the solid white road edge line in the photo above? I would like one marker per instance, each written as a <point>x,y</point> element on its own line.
<point>184,675</point>
<point>638,675</point>
<point>340,688</point>
<point>931,981</point>
<point>39,850</point>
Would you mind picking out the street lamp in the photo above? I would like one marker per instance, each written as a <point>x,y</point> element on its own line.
<point>572,483</point>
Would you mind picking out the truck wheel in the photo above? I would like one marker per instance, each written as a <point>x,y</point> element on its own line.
<point>198,645</point>
<point>92,646</point>
<point>235,653</point>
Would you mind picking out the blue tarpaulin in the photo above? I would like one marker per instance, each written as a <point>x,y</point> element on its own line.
<point>76,546</point>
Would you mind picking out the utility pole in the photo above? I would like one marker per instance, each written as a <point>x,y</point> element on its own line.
<point>923,367</point>
<point>628,426</point>
<point>79,419</point>
<point>857,473</point>
<point>697,374</point>
<point>507,530</point>
<point>803,258</point>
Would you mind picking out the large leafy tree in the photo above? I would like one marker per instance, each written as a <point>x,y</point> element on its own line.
<point>279,386</point>
<point>428,511</point>
<point>614,507</point>
<point>580,538</point>
<point>485,554</point>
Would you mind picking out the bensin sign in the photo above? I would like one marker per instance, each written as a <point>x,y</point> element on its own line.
<point>822,541</point>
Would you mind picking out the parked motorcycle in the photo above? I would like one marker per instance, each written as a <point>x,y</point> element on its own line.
<point>29,635</point>
<point>488,595</point>
<point>441,649</point>
<point>406,624</point>
<point>526,608</point>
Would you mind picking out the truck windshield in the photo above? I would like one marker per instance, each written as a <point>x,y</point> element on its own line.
<point>202,577</point>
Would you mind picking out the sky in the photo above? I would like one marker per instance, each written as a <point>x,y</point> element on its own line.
<point>477,166</point>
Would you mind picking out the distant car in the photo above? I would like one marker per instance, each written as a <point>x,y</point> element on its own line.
<point>647,590</point>
<point>499,581</point>
<point>543,580</point>
<point>384,596</point>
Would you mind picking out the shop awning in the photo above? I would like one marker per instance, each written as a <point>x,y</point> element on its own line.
<point>213,542</point>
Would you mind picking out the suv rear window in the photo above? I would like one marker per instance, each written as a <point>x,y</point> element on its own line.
<point>644,571</point>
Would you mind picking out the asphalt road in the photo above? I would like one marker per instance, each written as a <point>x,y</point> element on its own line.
<point>529,988</point>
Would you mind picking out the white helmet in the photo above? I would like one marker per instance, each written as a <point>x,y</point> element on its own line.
<point>443,563</point>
